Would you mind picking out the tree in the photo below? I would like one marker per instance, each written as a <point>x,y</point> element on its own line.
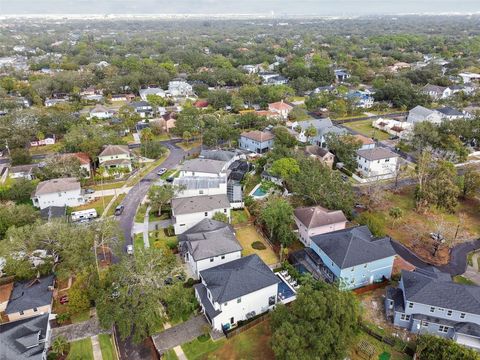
<point>219,99</point>
<point>60,166</point>
<point>319,309</point>
<point>19,192</point>
<point>430,347</point>
<point>187,136</point>
<point>179,301</point>
<point>277,215</point>
<point>395,213</point>
<point>285,168</point>
<point>152,150</point>
<point>284,138</point>
<point>20,156</point>
<point>157,100</point>
<point>345,149</point>
<point>15,215</point>
<point>219,216</point>
<point>311,132</point>
<point>160,195</point>
<point>78,297</point>
<point>469,183</point>
<point>60,345</point>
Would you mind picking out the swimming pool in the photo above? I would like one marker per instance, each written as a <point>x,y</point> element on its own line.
<point>284,290</point>
<point>259,192</point>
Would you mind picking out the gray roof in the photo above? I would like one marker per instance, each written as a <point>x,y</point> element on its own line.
<point>194,204</point>
<point>30,294</point>
<point>204,165</point>
<point>424,289</point>
<point>449,111</point>
<point>24,339</point>
<point>207,305</point>
<point>353,246</point>
<point>315,216</point>
<point>209,238</point>
<point>57,185</point>
<point>420,111</point>
<point>324,126</point>
<point>111,150</point>
<point>199,182</point>
<point>238,278</point>
<point>221,155</point>
<point>378,153</point>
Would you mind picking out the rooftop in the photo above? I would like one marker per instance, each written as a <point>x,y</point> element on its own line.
<point>259,136</point>
<point>111,150</point>
<point>204,166</point>
<point>364,139</point>
<point>194,204</point>
<point>220,155</point>
<point>378,153</point>
<point>30,294</point>
<point>315,216</point>
<point>57,185</point>
<point>199,182</point>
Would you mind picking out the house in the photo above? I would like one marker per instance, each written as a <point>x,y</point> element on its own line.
<point>151,91</point>
<point>379,163</point>
<point>322,126</point>
<point>467,77</point>
<point>85,162</point>
<point>180,88</point>
<point>427,301</point>
<point>321,154</point>
<point>256,141</point>
<point>221,155</point>
<point>200,185</point>
<point>437,92</point>
<point>47,140</point>
<point>207,244</point>
<point>268,114</point>
<point>189,211</point>
<point>235,291</point>
<point>399,66</point>
<point>53,102</point>
<point>100,112</point>
<point>402,129</point>
<point>115,156</point>
<point>281,108</point>
<point>367,143</point>
<point>449,113</point>
<point>204,168</point>
<point>362,99</point>
<point>142,107</point>
<point>341,75</point>
<point>122,97</point>
<point>166,122</point>
<point>26,172</point>
<point>420,114</point>
<point>354,256</point>
<point>30,298</point>
<point>26,339</point>
<point>315,220</point>
<point>58,192</point>
<point>276,80</point>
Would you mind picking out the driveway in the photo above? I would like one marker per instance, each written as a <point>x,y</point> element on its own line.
<point>80,330</point>
<point>180,334</point>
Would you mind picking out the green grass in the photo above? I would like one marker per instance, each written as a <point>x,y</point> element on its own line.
<point>47,149</point>
<point>128,138</point>
<point>380,348</point>
<point>365,127</point>
<point>197,348</point>
<point>463,280</point>
<point>153,216</point>
<point>98,204</point>
<point>117,202</point>
<point>140,215</point>
<point>81,350</point>
<point>170,355</point>
<point>169,173</point>
<point>138,243</point>
<point>81,316</point>
<point>188,145</point>
<point>160,240</point>
<point>161,137</point>
<point>106,346</point>
<point>108,186</point>
<point>239,217</point>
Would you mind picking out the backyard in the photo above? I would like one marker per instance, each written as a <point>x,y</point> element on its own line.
<point>98,204</point>
<point>381,351</point>
<point>106,345</point>
<point>365,128</point>
<point>81,350</point>
<point>248,235</point>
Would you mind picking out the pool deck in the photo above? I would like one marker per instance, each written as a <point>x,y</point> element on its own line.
<point>256,196</point>
<point>290,298</point>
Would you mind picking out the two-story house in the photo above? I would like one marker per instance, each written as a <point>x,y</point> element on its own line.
<point>208,244</point>
<point>143,108</point>
<point>437,92</point>
<point>115,156</point>
<point>354,256</point>
<point>420,114</point>
<point>204,168</point>
<point>100,112</point>
<point>427,301</point>
<point>58,192</point>
<point>151,91</point>
<point>281,108</point>
<point>180,88</point>
<point>237,290</point>
<point>321,154</point>
<point>189,211</point>
<point>256,141</point>
<point>315,220</point>
<point>377,163</point>
<point>322,128</point>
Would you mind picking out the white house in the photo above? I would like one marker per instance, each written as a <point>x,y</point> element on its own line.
<point>237,290</point>
<point>467,77</point>
<point>437,92</point>
<point>204,168</point>
<point>58,192</point>
<point>180,88</point>
<point>26,172</point>
<point>115,156</point>
<point>189,211</point>
<point>209,243</point>
<point>315,220</point>
<point>367,143</point>
<point>379,163</point>
<point>322,126</point>
<point>100,112</point>
<point>151,91</point>
<point>420,113</point>
<point>449,113</point>
<point>281,108</point>
<point>143,108</point>
<point>200,185</point>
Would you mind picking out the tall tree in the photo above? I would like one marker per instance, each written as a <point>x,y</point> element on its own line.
<point>161,195</point>
<point>345,149</point>
<point>285,168</point>
<point>277,215</point>
<point>469,183</point>
<point>430,347</point>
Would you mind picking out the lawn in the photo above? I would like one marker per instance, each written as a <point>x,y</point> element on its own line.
<point>138,243</point>
<point>239,217</point>
<point>47,149</point>
<point>198,348</point>
<point>153,215</point>
<point>161,137</point>
<point>188,145</point>
<point>97,204</point>
<point>250,344</point>
<point>108,186</point>
<point>128,138</point>
<point>81,316</point>
<point>106,346</point>
<point>463,280</point>
<point>365,127</point>
<point>380,348</point>
<point>117,202</point>
<point>160,240</point>
<point>140,215</point>
<point>247,235</point>
<point>170,355</point>
<point>81,350</point>
<point>169,173</point>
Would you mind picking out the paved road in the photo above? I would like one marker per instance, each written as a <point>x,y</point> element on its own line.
<point>138,192</point>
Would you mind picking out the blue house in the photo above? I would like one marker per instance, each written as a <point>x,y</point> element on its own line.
<point>428,301</point>
<point>354,256</point>
<point>256,141</point>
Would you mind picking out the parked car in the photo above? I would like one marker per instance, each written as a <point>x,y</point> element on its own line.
<point>130,249</point>
<point>170,179</point>
<point>393,137</point>
<point>89,191</point>
<point>119,210</point>
<point>161,171</point>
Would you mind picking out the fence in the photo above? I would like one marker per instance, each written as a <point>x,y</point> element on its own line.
<point>245,327</point>
<point>388,340</point>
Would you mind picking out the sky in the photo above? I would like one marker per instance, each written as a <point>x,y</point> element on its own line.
<point>257,7</point>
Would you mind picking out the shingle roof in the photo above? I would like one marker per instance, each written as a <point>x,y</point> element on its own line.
<point>317,150</point>
<point>220,155</point>
<point>257,135</point>
<point>115,150</point>
<point>194,204</point>
<point>57,185</point>
<point>280,105</point>
<point>209,238</point>
<point>378,153</point>
<point>315,216</point>
<point>199,182</point>
<point>353,246</point>
<point>238,278</point>
<point>421,111</point>
<point>24,339</point>
<point>98,109</point>
<point>30,294</point>
<point>204,166</point>
<point>434,88</point>
<point>207,305</point>
<point>449,111</point>
<point>421,288</point>
<point>364,139</point>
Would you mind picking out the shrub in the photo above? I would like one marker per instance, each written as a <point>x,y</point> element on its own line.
<point>62,318</point>
<point>169,230</point>
<point>172,243</point>
<point>375,223</point>
<point>258,245</point>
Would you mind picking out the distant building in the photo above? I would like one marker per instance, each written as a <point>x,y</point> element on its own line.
<point>321,154</point>
<point>100,112</point>
<point>420,114</point>
<point>341,75</point>
<point>180,88</point>
<point>367,143</point>
<point>281,108</point>
<point>47,140</point>
<point>151,91</point>
<point>322,126</point>
<point>26,172</point>
<point>143,108</point>
<point>437,92</point>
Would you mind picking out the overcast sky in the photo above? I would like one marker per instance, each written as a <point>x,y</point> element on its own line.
<point>257,7</point>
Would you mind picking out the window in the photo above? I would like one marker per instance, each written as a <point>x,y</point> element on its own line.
<point>353,269</point>
<point>462,315</point>
<point>225,304</point>
<point>35,309</point>
<point>432,309</point>
<point>365,266</point>
<point>440,309</point>
<point>410,305</point>
<point>405,317</point>
<point>225,211</point>
<point>239,300</point>
<point>223,257</point>
<point>206,213</point>
<point>21,312</point>
<point>387,160</point>
<point>425,324</point>
<point>449,312</point>
<point>443,329</point>
<point>211,259</point>
<point>200,192</point>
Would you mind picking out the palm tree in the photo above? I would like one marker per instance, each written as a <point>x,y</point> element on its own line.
<point>60,345</point>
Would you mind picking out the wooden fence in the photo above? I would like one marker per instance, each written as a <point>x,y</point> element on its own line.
<point>247,326</point>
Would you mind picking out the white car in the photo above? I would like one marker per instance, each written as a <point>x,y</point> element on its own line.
<point>130,249</point>
<point>161,171</point>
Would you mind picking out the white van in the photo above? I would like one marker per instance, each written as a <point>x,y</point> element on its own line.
<point>84,215</point>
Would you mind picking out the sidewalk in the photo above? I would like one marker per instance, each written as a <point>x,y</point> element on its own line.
<point>97,350</point>
<point>146,243</point>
